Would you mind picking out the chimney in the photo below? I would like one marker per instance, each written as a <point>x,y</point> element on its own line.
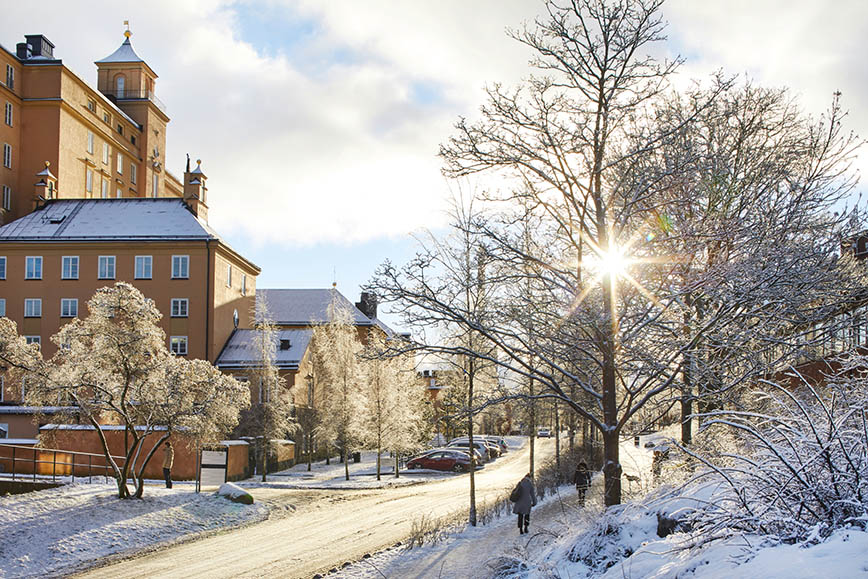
<point>195,191</point>
<point>37,46</point>
<point>368,304</point>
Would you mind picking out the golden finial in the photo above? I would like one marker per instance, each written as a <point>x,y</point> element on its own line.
<point>127,32</point>
<point>198,161</point>
<point>47,164</point>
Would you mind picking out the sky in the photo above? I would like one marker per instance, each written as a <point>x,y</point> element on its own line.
<point>318,123</point>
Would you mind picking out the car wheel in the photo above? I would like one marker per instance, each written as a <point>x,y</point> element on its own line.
<point>458,468</point>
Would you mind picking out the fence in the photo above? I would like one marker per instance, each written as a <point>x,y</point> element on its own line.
<point>26,462</point>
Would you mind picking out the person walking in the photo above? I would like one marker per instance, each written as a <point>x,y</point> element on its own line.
<point>582,480</point>
<point>168,461</point>
<point>524,497</point>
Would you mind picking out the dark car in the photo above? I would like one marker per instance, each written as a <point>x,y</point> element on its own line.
<point>499,441</point>
<point>441,459</point>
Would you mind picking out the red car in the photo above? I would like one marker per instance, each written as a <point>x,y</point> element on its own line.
<point>442,459</point>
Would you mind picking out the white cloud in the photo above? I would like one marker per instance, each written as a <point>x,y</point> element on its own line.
<point>323,125</point>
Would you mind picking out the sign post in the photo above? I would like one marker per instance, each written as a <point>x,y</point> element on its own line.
<point>213,467</point>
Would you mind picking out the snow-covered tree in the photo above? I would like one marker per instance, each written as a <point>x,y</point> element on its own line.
<point>114,367</point>
<point>394,401</point>
<point>17,356</point>
<point>340,378</point>
<point>272,417</point>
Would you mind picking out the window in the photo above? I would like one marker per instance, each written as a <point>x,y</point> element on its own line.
<point>120,129</point>
<point>3,267</point>
<point>178,345</point>
<point>180,266</point>
<point>9,113</point>
<point>106,151</point>
<point>119,86</point>
<point>2,307</point>
<point>133,171</point>
<point>133,139</point>
<point>155,182</point>
<point>118,193</point>
<point>68,307</point>
<point>180,307</point>
<point>69,267</point>
<point>4,429</point>
<point>90,142</point>
<point>104,190</point>
<point>91,105</point>
<point>107,118</point>
<point>10,76</point>
<point>7,155</point>
<point>33,308</point>
<point>31,340</point>
<point>229,275</point>
<point>7,197</point>
<point>144,265</point>
<point>33,267</point>
<point>2,395</point>
<point>120,166</point>
<point>243,284</point>
<point>106,267</point>
<point>88,180</point>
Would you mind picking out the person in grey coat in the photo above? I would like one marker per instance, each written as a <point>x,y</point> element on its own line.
<point>525,499</point>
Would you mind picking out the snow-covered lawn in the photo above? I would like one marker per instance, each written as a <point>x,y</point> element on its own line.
<point>51,532</point>
<point>626,546</point>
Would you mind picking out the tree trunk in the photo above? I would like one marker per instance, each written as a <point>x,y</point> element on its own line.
<point>612,463</point>
<point>471,449</point>
<point>532,428</point>
<point>558,442</point>
<point>379,452</point>
<point>346,458</point>
<point>396,465</point>
<point>686,401</point>
<point>264,458</point>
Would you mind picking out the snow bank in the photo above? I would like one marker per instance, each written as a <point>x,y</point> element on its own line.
<point>69,527</point>
<point>235,494</point>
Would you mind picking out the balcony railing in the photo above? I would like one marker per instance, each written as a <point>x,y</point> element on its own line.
<point>134,95</point>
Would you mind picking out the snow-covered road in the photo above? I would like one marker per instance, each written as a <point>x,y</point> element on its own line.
<point>319,530</point>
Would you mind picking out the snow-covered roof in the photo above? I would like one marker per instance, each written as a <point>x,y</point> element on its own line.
<point>108,219</point>
<point>124,53</point>
<point>303,307</point>
<point>34,409</point>
<point>241,352</point>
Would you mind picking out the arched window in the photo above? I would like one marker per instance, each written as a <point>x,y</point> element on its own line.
<point>120,80</point>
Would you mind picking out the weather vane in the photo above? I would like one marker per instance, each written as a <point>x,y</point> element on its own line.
<point>127,32</point>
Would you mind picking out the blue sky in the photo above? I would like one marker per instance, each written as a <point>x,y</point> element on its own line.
<point>318,123</point>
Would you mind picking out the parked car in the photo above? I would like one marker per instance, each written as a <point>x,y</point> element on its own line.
<point>441,459</point>
<point>481,448</point>
<point>543,433</point>
<point>500,441</point>
<point>493,447</point>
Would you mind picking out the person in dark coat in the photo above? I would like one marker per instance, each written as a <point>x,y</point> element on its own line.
<point>168,461</point>
<point>526,498</point>
<point>582,480</point>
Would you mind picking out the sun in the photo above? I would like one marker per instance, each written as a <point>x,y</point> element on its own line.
<point>613,262</point>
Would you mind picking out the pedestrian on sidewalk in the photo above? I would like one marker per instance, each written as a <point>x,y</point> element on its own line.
<point>524,497</point>
<point>168,461</point>
<point>582,480</point>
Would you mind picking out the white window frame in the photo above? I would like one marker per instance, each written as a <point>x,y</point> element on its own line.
<point>4,426</point>
<point>119,194</point>
<point>10,76</point>
<point>104,189</point>
<point>2,307</point>
<point>178,345</point>
<point>120,168</point>
<point>7,155</point>
<point>106,153</point>
<point>72,261</point>
<point>228,275</point>
<point>180,308</point>
<point>155,185</point>
<point>244,284</point>
<point>8,113</point>
<point>7,197</point>
<point>68,307</point>
<point>177,271</point>
<point>105,260</point>
<point>36,260</point>
<point>32,307</point>
<point>3,267</point>
<point>133,171</point>
<point>32,340</point>
<point>147,267</point>
<point>88,180</point>
<point>90,142</point>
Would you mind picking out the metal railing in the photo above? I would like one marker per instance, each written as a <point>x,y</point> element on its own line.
<point>66,466</point>
<point>125,94</point>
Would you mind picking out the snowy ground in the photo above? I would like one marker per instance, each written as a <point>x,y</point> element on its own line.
<point>51,532</point>
<point>483,551</point>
